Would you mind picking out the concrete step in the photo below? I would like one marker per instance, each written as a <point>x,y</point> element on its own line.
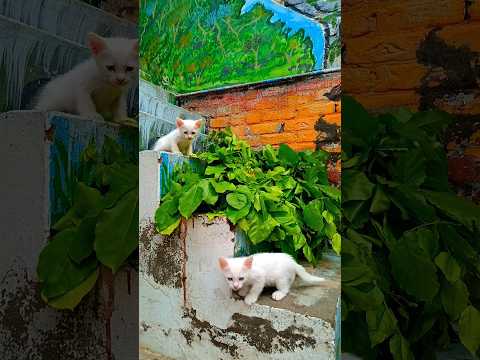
<point>68,19</point>
<point>29,143</point>
<point>158,114</point>
<point>186,307</point>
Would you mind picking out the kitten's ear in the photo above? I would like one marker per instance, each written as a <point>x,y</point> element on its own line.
<point>248,262</point>
<point>96,43</point>
<point>198,124</point>
<point>179,122</point>
<point>223,263</point>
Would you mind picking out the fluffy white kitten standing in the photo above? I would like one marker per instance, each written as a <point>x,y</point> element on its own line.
<point>97,86</point>
<point>181,139</point>
<point>249,275</point>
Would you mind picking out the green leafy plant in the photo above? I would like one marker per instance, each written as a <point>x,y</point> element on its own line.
<point>100,227</point>
<point>411,247</point>
<point>279,198</point>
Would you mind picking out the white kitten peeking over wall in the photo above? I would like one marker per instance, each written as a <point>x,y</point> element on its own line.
<point>181,139</point>
<point>248,276</point>
<point>98,87</point>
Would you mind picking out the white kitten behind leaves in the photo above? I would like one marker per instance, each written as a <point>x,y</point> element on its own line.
<point>181,139</point>
<point>99,86</point>
<point>249,275</point>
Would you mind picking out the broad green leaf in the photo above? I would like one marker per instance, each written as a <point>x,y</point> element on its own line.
<point>356,186</point>
<point>337,243</point>
<point>461,210</point>
<point>356,212</point>
<point>366,299</point>
<point>81,244</point>
<point>410,168</point>
<point>414,272</point>
<point>167,215</point>
<point>358,127</point>
<point>237,200</point>
<point>261,228</point>
<point>87,202</point>
<point>449,266</point>
<point>331,191</point>
<point>469,325</point>
<point>380,201</point>
<point>72,298</point>
<point>307,252</point>
<point>170,228</point>
<point>209,194</point>
<point>116,234</point>
<point>234,215</point>
<point>190,201</point>
<point>312,215</point>
<point>57,271</point>
<point>400,348</point>
<point>216,171</point>
<point>454,298</point>
<point>120,178</point>
<point>381,324</point>
<point>222,186</point>
<point>287,155</point>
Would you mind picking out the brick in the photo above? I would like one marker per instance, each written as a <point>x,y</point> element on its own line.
<point>276,139</point>
<point>473,151</point>
<point>338,106</point>
<point>462,35</point>
<point>300,124</point>
<point>335,119</point>
<point>302,146</point>
<point>267,103</point>
<point>307,135</point>
<point>380,48</point>
<point>474,10</point>
<point>266,128</point>
<point>380,101</point>
<point>332,148</point>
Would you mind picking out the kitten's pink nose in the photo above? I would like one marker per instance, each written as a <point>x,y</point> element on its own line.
<point>236,285</point>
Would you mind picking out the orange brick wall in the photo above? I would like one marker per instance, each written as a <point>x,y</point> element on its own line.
<point>272,113</point>
<point>420,54</point>
<point>296,112</point>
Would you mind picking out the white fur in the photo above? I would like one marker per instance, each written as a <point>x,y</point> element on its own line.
<point>249,275</point>
<point>98,85</point>
<point>181,139</point>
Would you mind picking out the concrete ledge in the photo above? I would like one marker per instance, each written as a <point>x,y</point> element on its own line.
<point>187,310</point>
<point>105,320</point>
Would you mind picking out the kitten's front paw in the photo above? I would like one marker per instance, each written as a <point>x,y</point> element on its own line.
<point>243,292</point>
<point>249,300</point>
<point>278,295</point>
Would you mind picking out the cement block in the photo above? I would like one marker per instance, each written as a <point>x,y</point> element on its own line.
<point>187,311</point>
<point>31,181</point>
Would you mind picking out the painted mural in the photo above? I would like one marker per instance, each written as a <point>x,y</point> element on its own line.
<point>192,45</point>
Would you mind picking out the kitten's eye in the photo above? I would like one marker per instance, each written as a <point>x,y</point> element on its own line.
<point>110,67</point>
<point>193,132</point>
<point>129,68</point>
<point>241,279</point>
<point>185,132</point>
<point>229,279</point>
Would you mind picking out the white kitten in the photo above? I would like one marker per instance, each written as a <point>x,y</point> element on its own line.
<point>249,275</point>
<point>181,139</point>
<point>98,85</point>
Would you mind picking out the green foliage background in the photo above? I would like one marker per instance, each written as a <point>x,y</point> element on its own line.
<point>184,48</point>
<point>410,245</point>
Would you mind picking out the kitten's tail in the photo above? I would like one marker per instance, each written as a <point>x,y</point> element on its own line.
<point>308,278</point>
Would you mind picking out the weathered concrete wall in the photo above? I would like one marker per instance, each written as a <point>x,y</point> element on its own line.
<point>420,54</point>
<point>29,330</point>
<point>186,308</point>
